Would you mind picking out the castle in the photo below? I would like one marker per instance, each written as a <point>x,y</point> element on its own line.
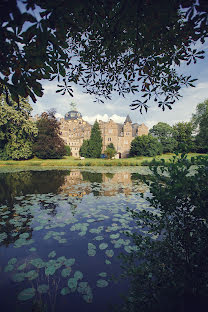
<point>73,130</point>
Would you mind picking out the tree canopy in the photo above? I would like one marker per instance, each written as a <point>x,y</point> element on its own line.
<point>164,133</point>
<point>183,136</point>
<point>145,145</point>
<point>17,131</point>
<point>200,122</point>
<point>127,46</point>
<point>48,143</point>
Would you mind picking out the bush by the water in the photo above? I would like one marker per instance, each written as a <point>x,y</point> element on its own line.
<point>146,145</point>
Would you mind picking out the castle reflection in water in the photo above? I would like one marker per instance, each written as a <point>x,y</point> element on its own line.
<point>79,183</point>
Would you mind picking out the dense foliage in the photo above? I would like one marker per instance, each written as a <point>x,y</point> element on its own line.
<point>92,148</point>
<point>84,149</point>
<point>164,133</point>
<point>145,145</point>
<point>183,135</point>
<point>126,46</point>
<point>173,255</point>
<point>48,143</point>
<point>110,151</point>
<point>17,131</point>
<point>200,122</point>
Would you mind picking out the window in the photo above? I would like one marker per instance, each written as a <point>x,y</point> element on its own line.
<point>110,130</point>
<point>109,139</point>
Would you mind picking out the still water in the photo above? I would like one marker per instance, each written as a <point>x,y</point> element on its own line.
<point>61,232</point>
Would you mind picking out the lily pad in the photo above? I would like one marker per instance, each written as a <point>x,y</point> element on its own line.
<point>18,277</point>
<point>38,263</point>
<point>8,268</point>
<point>52,254</point>
<point>66,272</point>
<point>91,246</point>
<point>102,283</point>
<point>72,284</point>
<point>78,275</point>
<point>26,294</point>
<point>65,291</point>
<point>103,246</point>
<point>102,274</point>
<point>107,262</point>
<point>109,253</point>
<point>32,249</point>
<point>42,289</point>
<point>12,261</point>
<point>22,267</point>
<point>50,270</point>
<point>31,275</point>
<point>69,262</point>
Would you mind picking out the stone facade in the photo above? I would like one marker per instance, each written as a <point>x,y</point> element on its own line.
<point>74,130</point>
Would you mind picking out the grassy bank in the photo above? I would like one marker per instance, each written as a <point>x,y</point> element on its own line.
<point>70,161</point>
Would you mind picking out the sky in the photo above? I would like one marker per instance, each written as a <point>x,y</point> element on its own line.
<point>118,108</point>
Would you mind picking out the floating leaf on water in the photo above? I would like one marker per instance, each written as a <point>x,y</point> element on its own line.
<point>31,275</point>
<point>61,259</point>
<point>88,298</point>
<point>18,277</point>
<point>99,238</point>
<point>12,261</point>
<point>102,283</point>
<point>38,263</point>
<point>91,252</point>
<point>9,268</point>
<point>50,270</point>
<point>128,249</point>
<point>114,236</point>
<point>65,291</point>
<point>107,262</point>
<point>78,275</point>
<point>82,287</point>
<point>66,272</point>
<point>32,249</point>
<point>26,294</point>
<point>103,246</point>
<point>22,267</point>
<point>109,253</point>
<point>38,228</point>
<point>72,283</point>
<point>68,262</point>
<point>52,254</point>
<point>91,246</point>
<point>42,289</point>
<point>24,235</point>
<point>102,274</point>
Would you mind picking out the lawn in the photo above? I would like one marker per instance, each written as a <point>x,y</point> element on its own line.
<point>71,161</point>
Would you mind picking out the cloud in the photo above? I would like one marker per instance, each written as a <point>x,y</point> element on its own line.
<point>105,117</point>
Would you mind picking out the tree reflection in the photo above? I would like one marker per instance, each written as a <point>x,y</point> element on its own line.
<point>169,271</point>
<point>13,186</point>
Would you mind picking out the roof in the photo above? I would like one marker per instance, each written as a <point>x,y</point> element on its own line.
<point>72,115</point>
<point>128,119</point>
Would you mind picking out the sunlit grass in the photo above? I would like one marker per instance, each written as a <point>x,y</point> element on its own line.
<point>71,161</point>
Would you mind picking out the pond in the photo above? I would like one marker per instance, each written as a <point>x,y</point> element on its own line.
<point>61,232</point>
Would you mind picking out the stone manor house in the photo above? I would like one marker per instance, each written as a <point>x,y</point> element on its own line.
<point>73,129</point>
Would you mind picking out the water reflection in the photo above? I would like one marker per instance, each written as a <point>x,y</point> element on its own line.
<point>49,219</point>
<point>101,184</point>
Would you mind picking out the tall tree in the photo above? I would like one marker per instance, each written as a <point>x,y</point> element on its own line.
<point>164,133</point>
<point>17,131</point>
<point>145,145</point>
<point>95,142</point>
<point>200,121</point>
<point>84,149</point>
<point>48,143</point>
<point>183,135</point>
<point>105,46</point>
